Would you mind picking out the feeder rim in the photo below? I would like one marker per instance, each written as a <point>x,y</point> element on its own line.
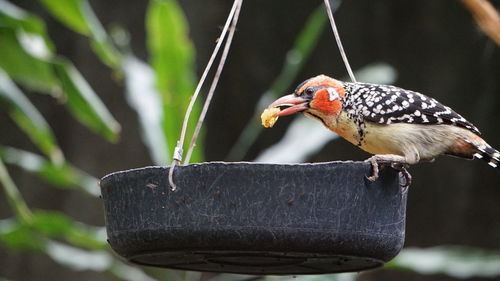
<point>223,163</point>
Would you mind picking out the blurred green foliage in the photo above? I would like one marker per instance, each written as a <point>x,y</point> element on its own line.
<point>63,176</point>
<point>78,16</point>
<point>25,64</point>
<point>30,62</point>
<point>28,118</point>
<point>172,58</point>
<point>35,233</point>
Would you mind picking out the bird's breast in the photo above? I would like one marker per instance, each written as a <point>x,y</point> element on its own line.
<point>370,137</point>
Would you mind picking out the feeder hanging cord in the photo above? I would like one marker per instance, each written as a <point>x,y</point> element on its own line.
<point>178,151</point>
<point>339,43</point>
<point>211,92</point>
<point>233,16</point>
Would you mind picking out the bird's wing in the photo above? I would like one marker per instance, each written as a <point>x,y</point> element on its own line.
<point>385,104</point>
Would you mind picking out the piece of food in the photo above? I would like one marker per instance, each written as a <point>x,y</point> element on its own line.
<point>269,116</point>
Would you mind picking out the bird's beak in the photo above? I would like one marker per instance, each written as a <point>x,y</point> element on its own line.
<point>290,104</point>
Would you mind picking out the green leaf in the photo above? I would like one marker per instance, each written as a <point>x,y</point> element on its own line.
<point>51,224</point>
<point>63,176</point>
<point>57,225</point>
<point>18,236</point>
<point>107,53</point>
<point>26,49</point>
<point>172,58</point>
<point>84,103</point>
<point>172,53</point>
<point>35,234</point>
<point>20,63</point>
<point>28,60</point>
<point>78,16</point>
<point>44,225</point>
<point>70,13</point>
<point>14,197</point>
<point>28,118</point>
<point>14,17</point>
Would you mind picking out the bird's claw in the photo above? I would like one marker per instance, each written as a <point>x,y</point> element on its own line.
<point>395,163</point>
<point>407,177</point>
<point>374,173</point>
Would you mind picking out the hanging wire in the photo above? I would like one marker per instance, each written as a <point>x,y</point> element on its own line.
<point>339,43</point>
<point>178,151</point>
<point>210,95</point>
<point>233,16</point>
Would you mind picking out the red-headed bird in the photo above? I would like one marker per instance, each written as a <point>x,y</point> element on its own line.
<point>399,126</point>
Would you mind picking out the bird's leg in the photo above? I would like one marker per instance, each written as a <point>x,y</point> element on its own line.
<point>396,161</point>
<point>406,175</point>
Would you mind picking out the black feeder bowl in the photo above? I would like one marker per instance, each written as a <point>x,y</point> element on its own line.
<point>254,218</point>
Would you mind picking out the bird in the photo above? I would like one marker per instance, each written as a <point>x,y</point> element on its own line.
<point>399,127</point>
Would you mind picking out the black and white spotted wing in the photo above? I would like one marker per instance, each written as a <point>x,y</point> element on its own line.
<point>385,104</point>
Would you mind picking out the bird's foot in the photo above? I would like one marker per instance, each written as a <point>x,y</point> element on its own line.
<point>395,161</point>
<point>407,177</point>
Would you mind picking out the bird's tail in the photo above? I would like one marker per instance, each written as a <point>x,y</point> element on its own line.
<point>473,146</point>
<point>487,153</point>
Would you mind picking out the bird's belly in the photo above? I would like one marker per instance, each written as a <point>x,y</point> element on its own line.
<point>413,141</point>
<point>369,137</point>
<point>379,140</point>
<point>376,146</point>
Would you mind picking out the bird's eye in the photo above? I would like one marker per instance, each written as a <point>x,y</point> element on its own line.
<point>309,91</point>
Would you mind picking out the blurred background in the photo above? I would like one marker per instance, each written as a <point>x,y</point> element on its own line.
<point>92,87</point>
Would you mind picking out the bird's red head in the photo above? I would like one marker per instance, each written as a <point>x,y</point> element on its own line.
<point>318,97</point>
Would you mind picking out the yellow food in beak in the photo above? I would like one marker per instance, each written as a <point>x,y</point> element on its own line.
<point>269,116</point>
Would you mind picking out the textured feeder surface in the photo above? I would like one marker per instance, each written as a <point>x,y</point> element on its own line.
<point>256,218</point>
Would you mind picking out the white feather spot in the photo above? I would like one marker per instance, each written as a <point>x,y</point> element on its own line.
<point>333,94</point>
<point>496,156</point>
